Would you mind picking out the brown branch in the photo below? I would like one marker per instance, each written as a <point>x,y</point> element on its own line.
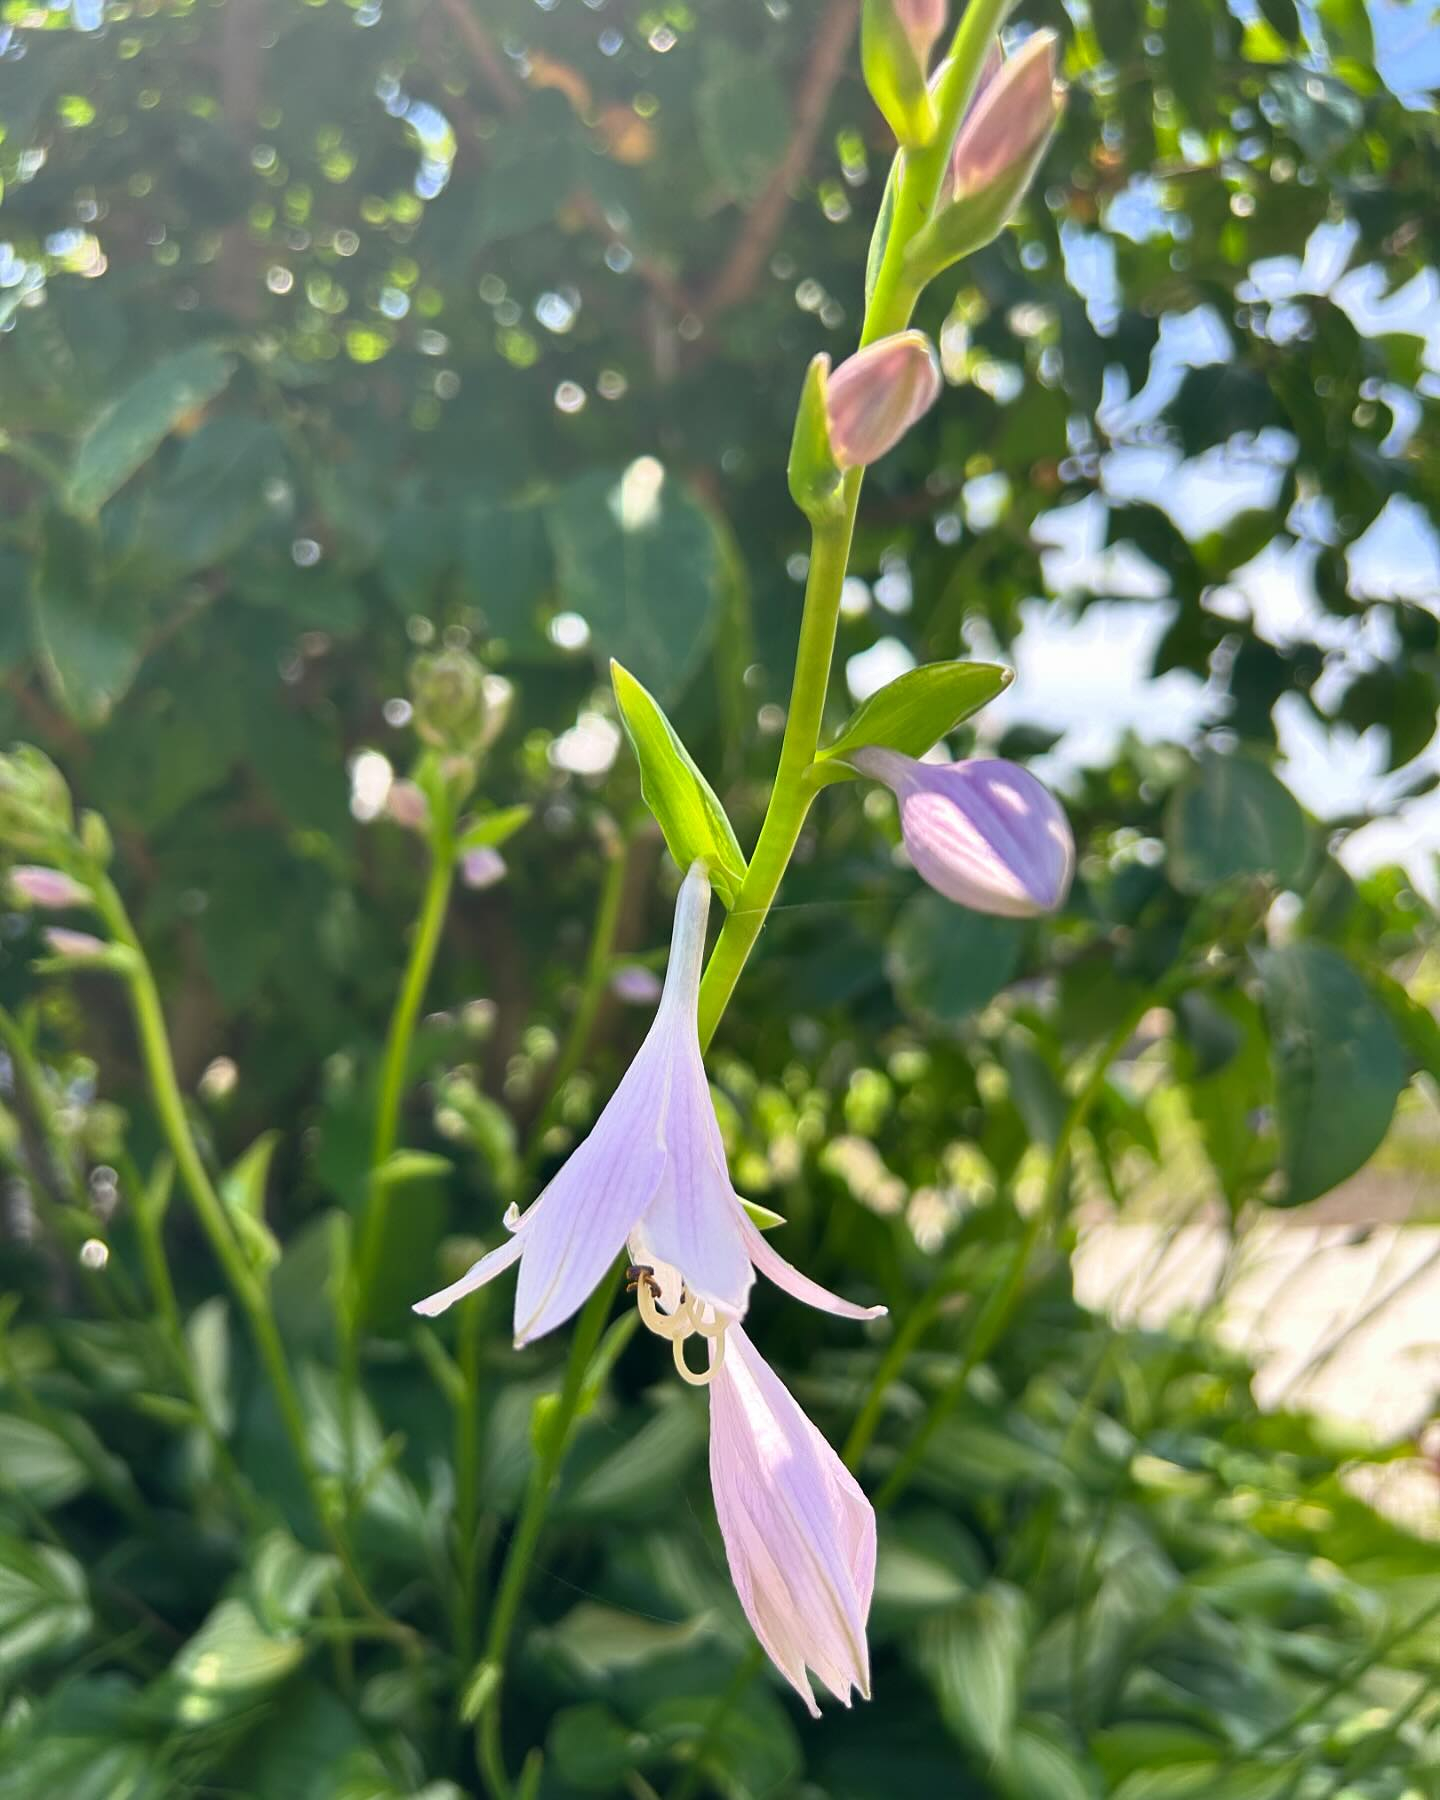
<point>756,238</point>
<point>487,59</point>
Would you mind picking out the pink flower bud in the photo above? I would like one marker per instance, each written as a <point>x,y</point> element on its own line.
<point>875,396</point>
<point>482,868</point>
<point>985,834</point>
<point>923,21</point>
<point>61,941</point>
<point>51,889</point>
<point>406,804</point>
<point>1011,118</point>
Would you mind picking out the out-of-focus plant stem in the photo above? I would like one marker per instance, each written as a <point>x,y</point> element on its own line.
<point>888,310</point>
<point>210,1210</point>
<point>544,1472</point>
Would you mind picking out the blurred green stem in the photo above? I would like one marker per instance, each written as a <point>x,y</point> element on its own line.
<point>544,1472</point>
<point>210,1209</point>
<point>887,310</point>
<point>396,1063</point>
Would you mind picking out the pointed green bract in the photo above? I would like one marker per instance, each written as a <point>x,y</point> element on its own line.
<point>685,806</point>
<point>813,473</point>
<point>912,713</point>
<point>894,75</point>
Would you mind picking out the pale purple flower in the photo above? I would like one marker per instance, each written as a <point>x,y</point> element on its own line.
<point>985,833</point>
<point>483,868</point>
<point>799,1533</point>
<point>61,941</point>
<point>635,985</point>
<point>1016,106</point>
<point>51,889</point>
<point>875,396</point>
<point>652,1172</point>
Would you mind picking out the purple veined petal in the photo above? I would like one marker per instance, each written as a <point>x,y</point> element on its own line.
<point>773,1266</point>
<point>474,1277</point>
<point>693,1220</point>
<point>681,992</point>
<point>799,1534</point>
<point>986,834</point>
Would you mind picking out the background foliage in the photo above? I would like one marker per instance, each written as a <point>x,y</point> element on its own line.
<point>332,331</point>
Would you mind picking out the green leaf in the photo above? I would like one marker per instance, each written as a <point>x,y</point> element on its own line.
<point>912,713</point>
<point>684,804</point>
<point>44,1606</point>
<point>642,562</point>
<point>1283,17</point>
<point>750,1754</point>
<point>1232,817</point>
<point>1190,56</point>
<point>884,219</point>
<point>1339,1066</point>
<point>416,1184</point>
<point>644,1473</point>
<point>39,1463</point>
<point>492,829</point>
<point>87,640</point>
<point>242,1188</point>
<point>229,1665</point>
<point>134,425</point>
<point>945,962</point>
<point>742,116</point>
<point>1037,1768</point>
<point>973,1659</point>
<point>813,474</point>
<point>592,1748</point>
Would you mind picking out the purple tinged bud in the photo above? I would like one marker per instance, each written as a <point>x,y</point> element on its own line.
<point>635,985</point>
<point>51,889</point>
<point>483,868</point>
<point>922,22</point>
<point>406,804</point>
<point>73,944</point>
<point>1013,113</point>
<point>985,834</point>
<point>875,396</point>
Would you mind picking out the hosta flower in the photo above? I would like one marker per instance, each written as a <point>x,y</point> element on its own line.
<point>652,1173</point>
<point>799,1533</point>
<point>50,889</point>
<point>985,833</point>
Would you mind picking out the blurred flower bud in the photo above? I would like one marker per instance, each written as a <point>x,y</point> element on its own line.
<point>636,985</point>
<point>482,868</point>
<point>406,805</point>
<point>985,834</point>
<point>499,695</point>
<point>896,38</point>
<point>448,694</point>
<point>50,889</point>
<point>35,811</point>
<point>995,155</point>
<point>75,946</point>
<point>875,396</point>
<point>95,839</point>
<point>104,1131</point>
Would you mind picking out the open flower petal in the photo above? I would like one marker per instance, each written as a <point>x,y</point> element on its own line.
<point>474,1277</point>
<point>774,1267</point>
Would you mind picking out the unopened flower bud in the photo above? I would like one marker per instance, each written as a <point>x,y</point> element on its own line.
<point>49,889</point>
<point>635,985</point>
<point>483,868</point>
<point>875,396</point>
<point>896,39</point>
<point>35,810</point>
<point>986,834</point>
<point>995,155</point>
<point>448,694</point>
<point>406,805</point>
<point>74,946</point>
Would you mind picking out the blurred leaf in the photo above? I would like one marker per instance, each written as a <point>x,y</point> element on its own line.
<point>945,961</point>
<point>1037,1768</point>
<point>1232,817</point>
<point>38,1463</point>
<point>1190,56</point>
<point>87,640</point>
<point>912,713</point>
<point>230,1664</point>
<point>683,802</point>
<point>134,425</point>
<point>492,829</point>
<point>593,1749</point>
<point>637,1478</point>
<point>1338,1066</point>
<point>742,115</point>
<point>641,562</point>
<point>753,1754</point>
<point>242,1188</point>
<point>972,1659</point>
<point>44,1606</point>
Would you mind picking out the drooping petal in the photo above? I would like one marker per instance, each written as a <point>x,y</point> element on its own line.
<point>799,1534</point>
<point>474,1277</point>
<point>774,1267</point>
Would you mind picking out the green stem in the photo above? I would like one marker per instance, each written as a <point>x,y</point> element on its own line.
<point>592,991</point>
<point>748,1667</point>
<point>543,1475</point>
<point>469,1334</point>
<point>210,1210</point>
<point>999,1306</point>
<point>395,1066</point>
